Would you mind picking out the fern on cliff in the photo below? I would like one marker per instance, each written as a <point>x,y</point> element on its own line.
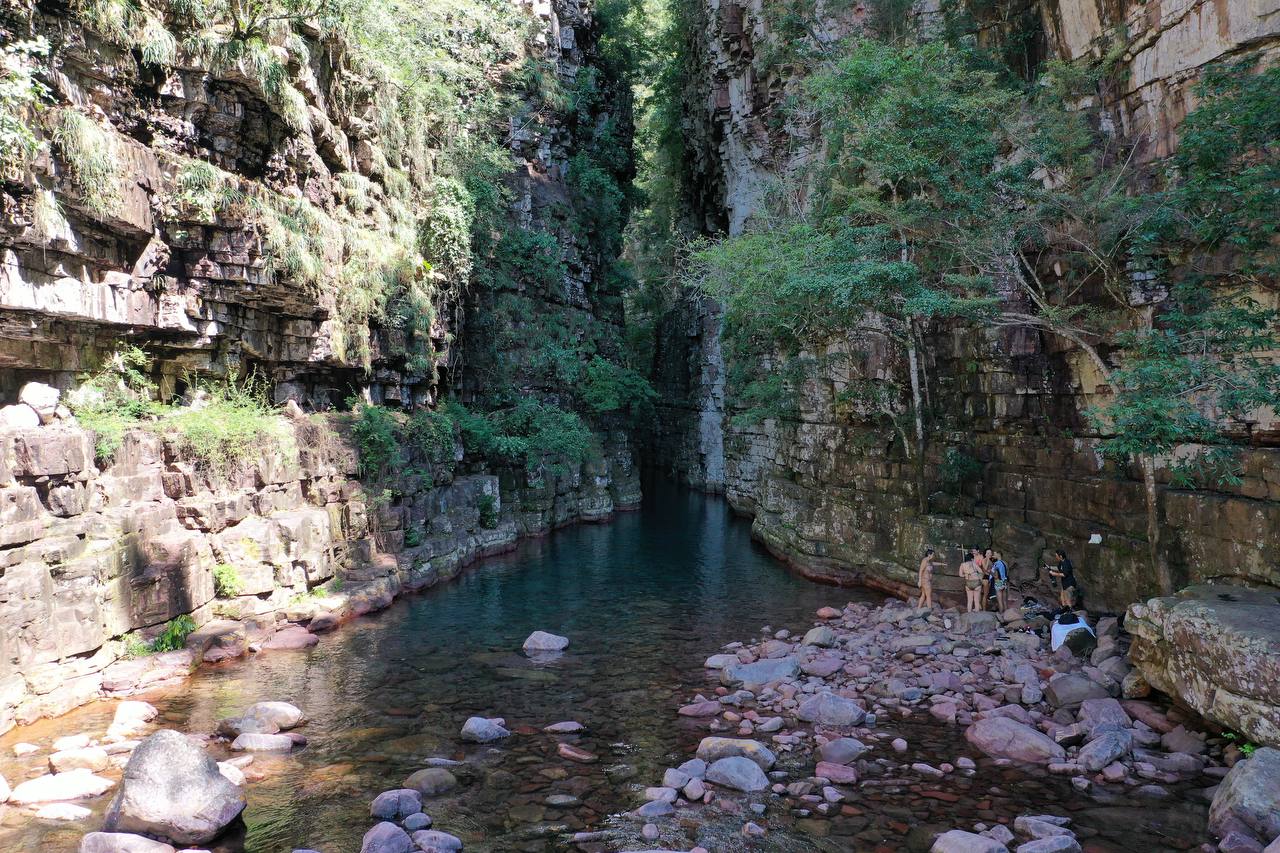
<point>88,153</point>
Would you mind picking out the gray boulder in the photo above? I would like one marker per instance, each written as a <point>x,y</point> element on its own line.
<point>1111,745</point>
<point>843,750</point>
<point>1069,690</point>
<point>1248,800</point>
<point>1001,737</point>
<point>820,636</point>
<point>283,715</point>
<point>171,789</point>
<point>397,804</point>
<point>386,837</point>
<point>1100,714</point>
<point>1054,844</point>
<point>760,673</point>
<point>829,709</point>
<point>739,773</point>
<point>482,730</point>
<point>435,841</point>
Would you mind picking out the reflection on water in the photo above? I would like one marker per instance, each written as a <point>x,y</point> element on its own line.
<point>644,600</point>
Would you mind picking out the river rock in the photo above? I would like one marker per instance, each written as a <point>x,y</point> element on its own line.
<point>482,730</point>
<point>739,773</point>
<point>959,841</point>
<point>233,727</point>
<point>62,812</point>
<point>121,842</point>
<point>840,774</point>
<point>573,753</point>
<point>1069,690</point>
<point>721,661</point>
<point>712,749</point>
<point>1105,748</point>
<point>1096,714</point>
<point>1001,737</point>
<point>1040,826</point>
<point>431,781</point>
<point>93,758</point>
<point>56,787</point>
<point>830,709</point>
<point>759,673</point>
<point>845,750</point>
<point>567,727</point>
<point>434,841</point>
<point>292,638</point>
<point>173,790</point>
<point>541,641</point>
<point>1248,800</point>
<point>282,714</point>
<point>1055,844</point>
<point>386,837</point>
<point>250,742</point>
<point>397,804</point>
<point>67,742</point>
<point>820,636</point>
<point>707,708</point>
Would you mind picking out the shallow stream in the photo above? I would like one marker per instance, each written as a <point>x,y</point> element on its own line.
<point>644,600</point>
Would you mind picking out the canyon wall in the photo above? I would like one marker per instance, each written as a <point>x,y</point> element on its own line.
<point>828,491</point>
<point>253,231</point>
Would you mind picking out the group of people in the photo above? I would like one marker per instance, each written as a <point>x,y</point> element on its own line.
<point>984,569</point>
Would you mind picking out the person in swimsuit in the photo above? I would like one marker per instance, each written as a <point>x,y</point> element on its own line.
<point>925,579</point>
<point>984,562</point>
<point>1000,576</point>
<point>972,577</point>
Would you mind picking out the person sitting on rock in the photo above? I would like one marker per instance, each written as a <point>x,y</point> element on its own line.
<point>925,579</point>
<point>972,576</point>
<point>1000,576</point>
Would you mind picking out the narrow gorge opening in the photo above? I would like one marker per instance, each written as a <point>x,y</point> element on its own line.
<point>305,306</point>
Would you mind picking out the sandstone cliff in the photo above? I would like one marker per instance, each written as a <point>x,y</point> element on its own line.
<point>825,491</point>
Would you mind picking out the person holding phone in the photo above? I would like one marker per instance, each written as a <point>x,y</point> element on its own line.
<point>1065,572</point>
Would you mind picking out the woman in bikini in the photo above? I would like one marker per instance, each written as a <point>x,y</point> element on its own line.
<point>972,577</point>
<point>925,579</point>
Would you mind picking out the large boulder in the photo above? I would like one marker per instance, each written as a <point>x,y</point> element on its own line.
<point>1099,715</point>
<point>42,398</point>
<point>171,789</point>
<point>830,709</point>
<point>386,837</point>
<point>712,749</point>
<point>738,772</point>
<point>1069,690</point>
<point>844,750</point>
<point>283,715</point>
<point>820,636</point>
<point>396,805</point>
<point>121,842</point>
<point>759,673</point>
<point>1001,737</point>
<point>1214,646</point>
<point>1248,800</point>
<point>1107,747</point>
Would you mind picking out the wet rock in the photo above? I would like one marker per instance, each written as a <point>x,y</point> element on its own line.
<point>700,709</point>
<point>738,772</point>
<point>757,674</point>
<point>541,642</point>
<point>86,758</point>
<point>386,837</point>
<point>56,787</point>
<point>397,804</point>
<point>721,661</point>
<point>171,789</point>
<point>1001,737</point>
<point>573,753</point>
<point>431,781</point>
<point>566,728</point>
<point>1096,714</point>
<point>281,714</point>
<point>711,749</point>
<point>829,613</point>
<point>843,750</point>
<point>482,730</point>
<point>959,841</point>
<point>1041,826</point>
<point>840,774</point>
<point>830,709</point>
<point>1056,844</point>
<point>292,638</point>
<point>249,742</point>
<point>1107,747</point>
<point>434,841</point>
<point>233,727</point>
<point>232,774</point>
<point>1248,799</point>
<point>121,842</point>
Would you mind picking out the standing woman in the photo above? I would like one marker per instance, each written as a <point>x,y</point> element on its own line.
<point>972,577</point>
<point>985,561</point>
<point>925,579</point>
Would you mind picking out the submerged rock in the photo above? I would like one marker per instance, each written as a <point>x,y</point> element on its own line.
<point>959,841</point>
<point>432,781</point>
<point>1001,737</point>
<point>830,709</point>
<point>121,842</point>
<point>541,641</point>
<point>739,773</point>
<point>173,790</point>
<point>711,749</point>
<point>386,837</point>
<point>483,730</point>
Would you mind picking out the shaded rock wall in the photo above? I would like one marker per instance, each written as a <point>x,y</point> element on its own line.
<point>833,493</point>
<point>88,556</point>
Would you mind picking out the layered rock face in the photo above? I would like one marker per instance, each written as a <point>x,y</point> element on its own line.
<point>231,244</point>
<point>830,492</point>
<point>1217,648</point>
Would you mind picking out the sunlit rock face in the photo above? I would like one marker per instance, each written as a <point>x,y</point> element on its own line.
<point>829,491</point>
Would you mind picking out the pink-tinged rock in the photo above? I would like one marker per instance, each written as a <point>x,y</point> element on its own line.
<point>1148,714</point>
<point>944,712</point>
<point>323,622</point>
<point>1001,737</point>
<point>837,773</point>
<point>291,638</point>
<point>828,613</point>
<point>700,709</point>
<point>822,667</point>
<point>959,841</point>
<point>567,727</point>
<point>573,753</point>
